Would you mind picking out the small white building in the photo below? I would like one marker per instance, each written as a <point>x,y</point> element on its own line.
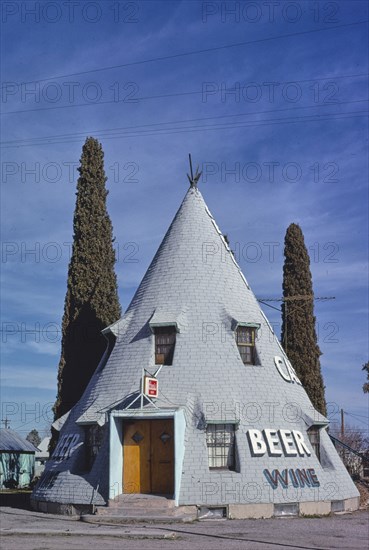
<point>42,455</point>
<point>17,460</point>
<point>195,398</point>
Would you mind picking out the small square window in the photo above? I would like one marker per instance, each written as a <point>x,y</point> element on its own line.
<point>246,344</point>
<point>165,340</point>
<point>93,440</point>
<point>220,441</point>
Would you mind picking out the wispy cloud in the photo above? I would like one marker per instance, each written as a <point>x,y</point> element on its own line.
<point>21,376</point>
<point>329,200</point>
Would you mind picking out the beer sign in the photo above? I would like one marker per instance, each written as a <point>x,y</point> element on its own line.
<point>151,388</point>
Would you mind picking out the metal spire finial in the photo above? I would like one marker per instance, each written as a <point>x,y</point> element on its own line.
<point>193,179</point>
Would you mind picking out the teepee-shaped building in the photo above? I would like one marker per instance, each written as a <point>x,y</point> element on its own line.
<point>195,398</point>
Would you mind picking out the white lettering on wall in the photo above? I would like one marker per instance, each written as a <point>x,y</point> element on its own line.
<point>272,440</point>
<point>277,443</point>
<point>256,442</point>
<point>301,445</point>
<point>288,443</point>
<point>286,370</point>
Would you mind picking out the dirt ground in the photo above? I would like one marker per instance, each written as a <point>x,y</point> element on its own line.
<point>363,489</point>
<point>27,530</point>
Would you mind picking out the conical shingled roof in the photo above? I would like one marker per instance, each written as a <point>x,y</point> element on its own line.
<point>195,283</point>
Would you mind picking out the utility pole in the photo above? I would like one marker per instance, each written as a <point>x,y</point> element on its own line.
<point>6,422</point>
<point>342,423</point>
<point>343,435</point>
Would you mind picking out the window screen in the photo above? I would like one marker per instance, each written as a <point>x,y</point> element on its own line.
<point>220,440</point>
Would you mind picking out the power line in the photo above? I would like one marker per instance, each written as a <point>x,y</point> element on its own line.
<point>195,52</point>
<point>106,132</point>
<point>176,94</point>
<point>289,298</point>
<point>297,297</point>
<point>34,421</point>
<point>171,131</point>
<point>268,111</point>
<point>357,419</point>
<point>357,415</point>
<point>361,415</point>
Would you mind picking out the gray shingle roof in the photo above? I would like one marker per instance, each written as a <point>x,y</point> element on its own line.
<point>11,441</point>
<point>195,281</point>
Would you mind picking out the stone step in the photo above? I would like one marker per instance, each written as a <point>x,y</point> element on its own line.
<point>150,509</point>
<point>129,519</point>
<point>125,512</point>
<point>142,501</point>
<point>131,510</point>
<point>105,512</point>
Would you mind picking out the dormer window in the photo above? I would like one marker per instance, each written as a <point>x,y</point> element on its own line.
<point>165,341</point>
<point>314,438</point>
<point>246,344</point>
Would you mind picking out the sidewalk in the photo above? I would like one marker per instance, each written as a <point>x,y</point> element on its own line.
<point>32,531</point>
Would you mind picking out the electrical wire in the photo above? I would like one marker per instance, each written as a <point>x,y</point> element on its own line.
<point>183,121</point>
<point>357,419</point>
<point>185,129</point>
<point>201,51</point>
<point>177,94</point>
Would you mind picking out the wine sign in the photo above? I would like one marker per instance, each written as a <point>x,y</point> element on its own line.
<point>151,387</point>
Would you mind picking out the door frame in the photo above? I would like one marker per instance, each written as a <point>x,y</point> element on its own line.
<point>116,460</point>
<point>143,471</point>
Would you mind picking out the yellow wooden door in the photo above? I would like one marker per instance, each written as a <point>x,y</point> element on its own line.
<point>162,457</point>
<point>136,457</point>
<point>148,456</point>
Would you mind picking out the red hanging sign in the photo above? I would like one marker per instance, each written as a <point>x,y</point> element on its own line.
<point>151,387</point>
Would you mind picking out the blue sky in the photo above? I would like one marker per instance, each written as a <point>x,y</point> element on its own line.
<point>271,102</point>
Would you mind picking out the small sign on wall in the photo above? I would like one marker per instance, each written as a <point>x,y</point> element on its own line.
<point>151,388</point>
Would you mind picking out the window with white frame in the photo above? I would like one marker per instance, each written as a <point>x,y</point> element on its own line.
<point>246,344</point>
<point>220,441</point>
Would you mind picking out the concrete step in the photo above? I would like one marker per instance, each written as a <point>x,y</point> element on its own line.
<point>142,518</point>
<point>131,511</point>
<point>127,511</point>
<point>129,508</point>
<point>152,502</point>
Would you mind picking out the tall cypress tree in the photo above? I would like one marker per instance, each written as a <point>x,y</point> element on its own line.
<point>366,385</point>
<point>298,335</point>
<point>91,302</point>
